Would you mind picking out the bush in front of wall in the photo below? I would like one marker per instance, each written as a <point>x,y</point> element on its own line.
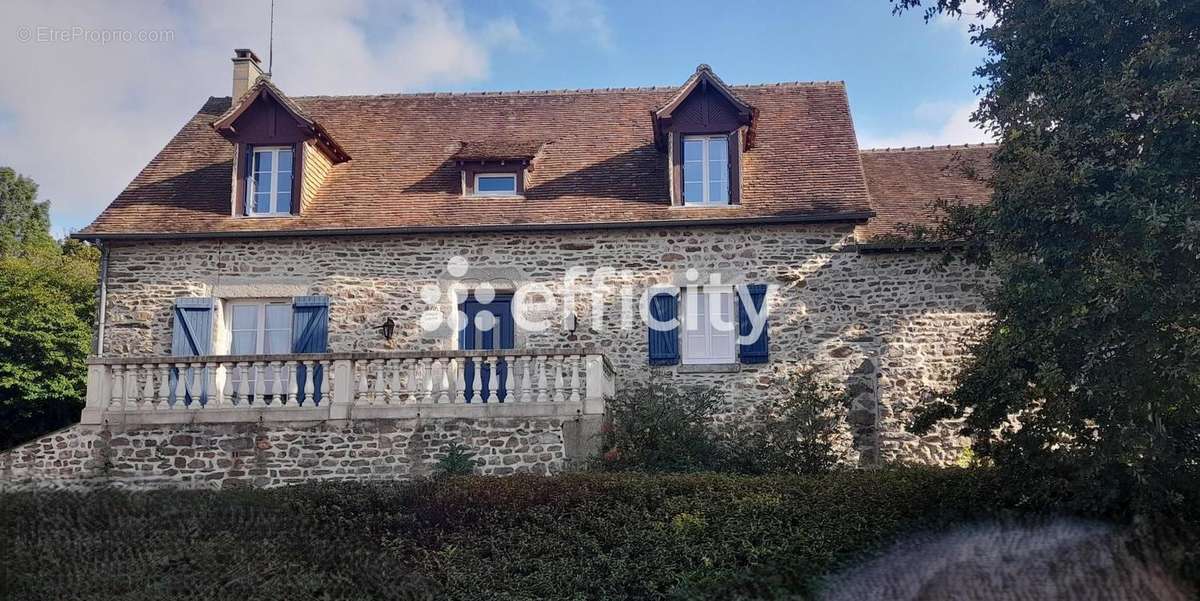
<point>459,460</point>
<point>656,427</point>
<point>793,433</point>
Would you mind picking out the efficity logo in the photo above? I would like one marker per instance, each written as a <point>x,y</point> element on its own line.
<point>538,306</point>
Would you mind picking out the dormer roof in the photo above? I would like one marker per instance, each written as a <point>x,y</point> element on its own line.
<point>498,150</point>
<point>263,89</point>
<point>701,82</point>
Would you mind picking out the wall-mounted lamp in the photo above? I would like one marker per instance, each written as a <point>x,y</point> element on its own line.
<point>387,328</point>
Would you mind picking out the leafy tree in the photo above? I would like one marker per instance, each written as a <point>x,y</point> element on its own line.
<point>1094,234</point>
<point>24,222</point>
<point>47,296</point>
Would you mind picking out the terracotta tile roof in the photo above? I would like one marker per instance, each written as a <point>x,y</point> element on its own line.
<point>599,164</point>
<point>905,182</point>
<point>497,150</point>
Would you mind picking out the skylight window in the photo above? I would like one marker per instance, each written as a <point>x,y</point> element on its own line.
<point>495,184</point>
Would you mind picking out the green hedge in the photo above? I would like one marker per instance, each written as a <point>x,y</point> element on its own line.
<point>578,536</point>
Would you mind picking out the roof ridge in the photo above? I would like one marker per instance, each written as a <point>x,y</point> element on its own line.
<point>933,147</point>
<point>551,92</point>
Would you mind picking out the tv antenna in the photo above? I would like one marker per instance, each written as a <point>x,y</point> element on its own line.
<point>271,42</point>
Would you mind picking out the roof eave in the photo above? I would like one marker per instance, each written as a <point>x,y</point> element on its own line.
<point>851,217</point>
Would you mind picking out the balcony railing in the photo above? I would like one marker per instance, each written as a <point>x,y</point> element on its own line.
<point>359,385</point>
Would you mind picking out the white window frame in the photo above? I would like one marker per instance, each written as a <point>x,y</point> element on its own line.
<point>260,321</point>
<point>717,347</point>
<point>512,176</point>
<point>250,181</point>
<point>706,179</point>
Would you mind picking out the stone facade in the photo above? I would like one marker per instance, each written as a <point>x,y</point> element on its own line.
<point>232,455</point>
<point>888,326</point>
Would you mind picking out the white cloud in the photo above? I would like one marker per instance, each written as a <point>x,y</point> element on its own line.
<point>585,17</point>
<point>947,123</point>
<point>82,118</point>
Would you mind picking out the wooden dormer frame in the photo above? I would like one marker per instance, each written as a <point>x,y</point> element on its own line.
<point>702,81</point>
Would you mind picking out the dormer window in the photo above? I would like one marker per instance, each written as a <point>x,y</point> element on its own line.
<point>269,187</point>
<point>495,184</point>
<point>704,129</point>
<point>706,170</point>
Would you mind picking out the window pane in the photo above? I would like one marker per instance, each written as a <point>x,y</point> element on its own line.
<point>693,192</point>
<point>262,161</point>
<point>693,172</point>
<point>717,147</point>
<point>262,202</point>
<point>277,342</point>
<point>279,317</point>
<point>493,184</point>
<point>244,317</point>
<point>718,192</point>
<point>285,161</point>
<point>693,149</point>
<point>244,342</point>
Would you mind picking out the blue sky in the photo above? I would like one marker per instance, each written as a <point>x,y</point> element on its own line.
<point>107,107</point>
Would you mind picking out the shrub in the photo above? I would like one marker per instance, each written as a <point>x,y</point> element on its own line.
<point>789,434</point>
<point>657,427</point>
<point>577,536</point>
<point>459,460</point>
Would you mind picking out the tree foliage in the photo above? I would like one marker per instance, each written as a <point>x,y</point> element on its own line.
<point>47,298</point>
<point>24,222</point>
<point>1094,234</point>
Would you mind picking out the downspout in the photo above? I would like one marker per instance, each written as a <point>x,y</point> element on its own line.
<point>103,299</point>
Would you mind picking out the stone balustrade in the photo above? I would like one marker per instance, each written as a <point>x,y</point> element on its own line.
<point>344,386</point>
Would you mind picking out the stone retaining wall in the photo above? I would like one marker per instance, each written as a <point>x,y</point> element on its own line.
<point>249,455</point>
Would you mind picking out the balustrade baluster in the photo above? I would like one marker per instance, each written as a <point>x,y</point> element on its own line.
<point>260,383</point>
<point>493,381</point>
<point>526,394</point>
<point>181,376</point>
<point>543,386</point>
<point>310,374</point>
<point>132,390</point>
<point>456,380</point>
<point>225,392</point>
<point>210,383</point>
<point>293,383</point>
<point>244,399</point>
<point>326,376</point>
<point>162,400</point>
<point>427,380</point>
<point>363,397</point>
<point>379,387</point>
<point>197,374</point>
<point>394,366</point>
<point>559,385</point>
<point>574,378</point>
<point>441,379</point>
<point>118,386</point>
<point>148,388</point>
<point>476,395</point>
<point>411,381</point>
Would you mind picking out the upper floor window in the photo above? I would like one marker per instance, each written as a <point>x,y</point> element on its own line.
<point>269,187</point>
<point>706,170</point>
<point>495,184</point>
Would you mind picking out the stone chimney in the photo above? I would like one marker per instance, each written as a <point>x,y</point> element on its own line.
<point>247,68</point>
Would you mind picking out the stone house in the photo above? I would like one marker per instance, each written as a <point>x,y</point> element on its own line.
<point>341,286</point>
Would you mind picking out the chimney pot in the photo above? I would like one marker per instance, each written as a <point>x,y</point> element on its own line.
<point>247,68</point>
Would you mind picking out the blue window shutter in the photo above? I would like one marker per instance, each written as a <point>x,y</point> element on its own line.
<point>191,336</point>
<point>664,345</point>
<point>755,351</point>
<point>193,327</point>
<point>310,334</point>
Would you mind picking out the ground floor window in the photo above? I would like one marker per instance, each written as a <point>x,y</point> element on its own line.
<point>709,326</point>
<point>260,327</point>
